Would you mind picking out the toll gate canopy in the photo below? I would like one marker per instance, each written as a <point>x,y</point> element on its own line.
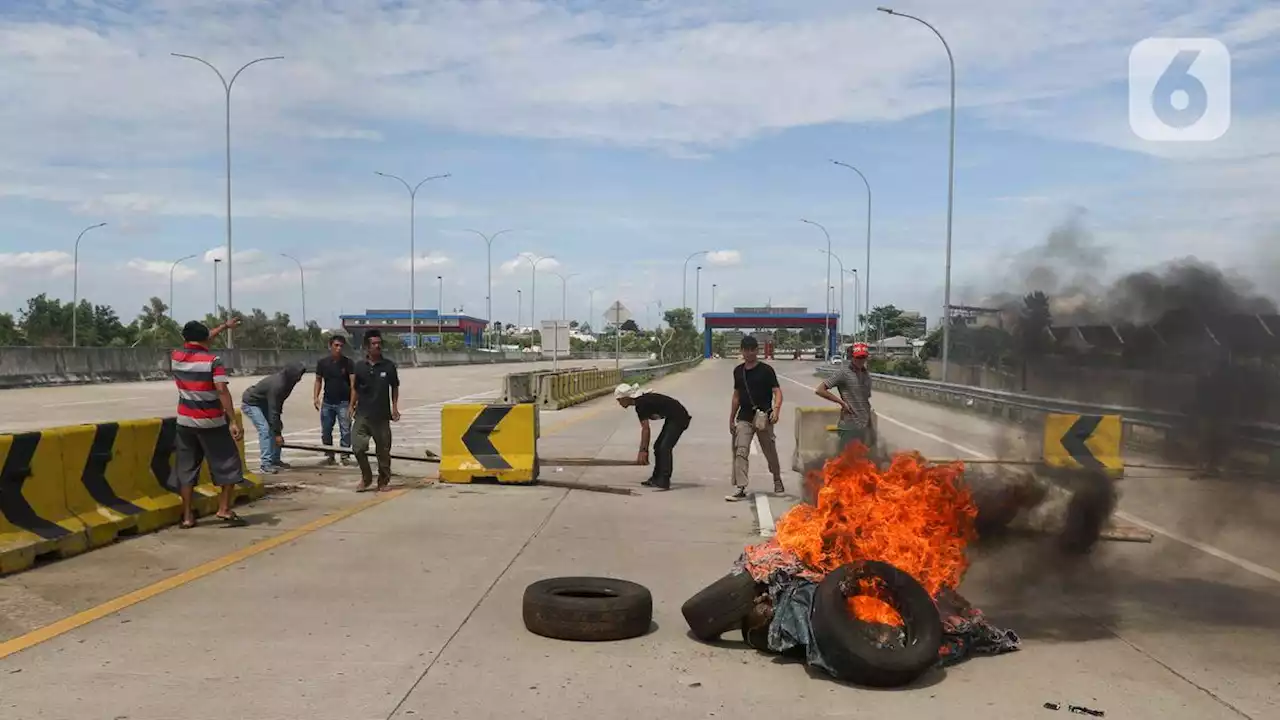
<point>769,318</point>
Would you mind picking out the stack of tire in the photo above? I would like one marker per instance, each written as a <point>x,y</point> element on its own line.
<point>844,642</point>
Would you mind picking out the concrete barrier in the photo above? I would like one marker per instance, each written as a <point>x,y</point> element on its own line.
<point>562,389</point>
<point>66,490</point>
<point>40,366</point>
<point>814,441</point>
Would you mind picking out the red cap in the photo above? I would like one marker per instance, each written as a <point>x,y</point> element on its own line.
<point>859,350</point>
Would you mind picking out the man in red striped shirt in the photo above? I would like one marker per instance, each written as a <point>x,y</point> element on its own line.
<point>208,427</point>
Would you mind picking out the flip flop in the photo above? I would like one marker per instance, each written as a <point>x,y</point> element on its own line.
<point>232,520</point>
<point>184,525</point>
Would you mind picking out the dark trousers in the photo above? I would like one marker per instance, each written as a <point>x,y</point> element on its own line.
<point>379,430</point>
<point>666,443</point>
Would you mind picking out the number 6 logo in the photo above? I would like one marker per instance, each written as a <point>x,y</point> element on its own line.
<point>1179,89</point>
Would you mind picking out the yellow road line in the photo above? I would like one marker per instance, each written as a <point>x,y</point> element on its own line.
<point>84,617</point>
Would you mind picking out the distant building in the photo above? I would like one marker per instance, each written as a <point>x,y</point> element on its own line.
<point>429,327</point>
<point>977,317</point>
<point>919,323</point>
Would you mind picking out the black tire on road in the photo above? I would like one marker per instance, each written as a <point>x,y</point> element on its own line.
<point>720,606</point>
<point>587,609</point>
<point>845,641</point>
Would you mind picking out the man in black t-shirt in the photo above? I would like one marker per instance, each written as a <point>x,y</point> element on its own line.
<point>756,407</point>
<point>675,420</point>
<point>332,395</point>
<point>375,404</point>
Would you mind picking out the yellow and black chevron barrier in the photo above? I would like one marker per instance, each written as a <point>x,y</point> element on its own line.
<point>65,490</point>
<point>489,442</point>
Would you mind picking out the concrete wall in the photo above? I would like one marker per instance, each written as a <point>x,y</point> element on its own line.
<point>39,366</point>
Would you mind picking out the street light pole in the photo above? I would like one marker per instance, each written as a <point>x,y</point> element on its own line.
<point>840,324</point>
<point>564,315</point>
<point>713,297</point>
<point>684,280</point>
<point>533,290</point>
<point>75,282</point>
<point>302,278</point>
<point>488,293</point>
<point>173,267</point>
<point>439,314</point>
<point>226,85</point>
<point>519,309</point>
<point>413,269</point>
<point>216,261</point>
<point>868,265</point>
<point>826,322</point>
<point>697,296</point>
<point>856,308</point>
<point>951,191</point>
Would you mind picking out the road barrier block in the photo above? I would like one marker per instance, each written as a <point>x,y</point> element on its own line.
<point>489,442</point>
<point>99,470</point>
<point>35,521</point>
<point>813,441</point>
<point>557,390</point>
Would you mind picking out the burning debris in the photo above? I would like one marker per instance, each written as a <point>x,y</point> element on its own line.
<point>862,582</point>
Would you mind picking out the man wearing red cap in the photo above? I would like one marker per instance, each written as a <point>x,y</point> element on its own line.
<point>853,381</point>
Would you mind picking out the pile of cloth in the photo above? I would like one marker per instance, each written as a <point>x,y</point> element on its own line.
<point>790,589</point>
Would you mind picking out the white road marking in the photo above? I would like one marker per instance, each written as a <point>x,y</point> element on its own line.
<point>1246,565</point>
<point>420,412</point>
<point>95,402</point>
<point>764,514</point>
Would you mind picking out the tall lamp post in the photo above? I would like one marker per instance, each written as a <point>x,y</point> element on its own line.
<point>439,312</point>
<point>826,322</point>
<point>226,85</point>
<point>697,296</point>
<point>488,293</point>
<point>684,280</point>
<point>533,289</point>
<point>173,267</point>
<point>413,254</point>
<point>951,191</point>
<point>868,265</point>
<point>856,308</point>
<point>840,325</point>
<point>519,310</point>
<point>216,263</point>
<point>75,282</point>
<point>564,314</point>
<point>302,278</point>
<point>713,297</point>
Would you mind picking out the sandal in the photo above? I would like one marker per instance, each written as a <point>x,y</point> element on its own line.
<point>186,524</point>
<point>232,520</point>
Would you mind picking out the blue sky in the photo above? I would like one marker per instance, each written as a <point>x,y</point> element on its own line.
<point>617,137</point>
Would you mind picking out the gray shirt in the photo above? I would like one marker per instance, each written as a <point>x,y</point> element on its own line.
<point>854,387</point>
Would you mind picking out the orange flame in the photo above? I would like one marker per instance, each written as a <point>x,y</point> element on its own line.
<point>914,516</point>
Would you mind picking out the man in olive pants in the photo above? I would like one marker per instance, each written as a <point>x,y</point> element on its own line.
<point>753,413</point>
<point>375,404</point>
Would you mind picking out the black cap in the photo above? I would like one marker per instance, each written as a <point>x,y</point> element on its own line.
<point>749,342</point>
<point>195,331</point>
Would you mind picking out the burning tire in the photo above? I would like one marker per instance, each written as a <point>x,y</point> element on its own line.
<point>721,606</point>
<point>873,654</point>
<point>588,609</point>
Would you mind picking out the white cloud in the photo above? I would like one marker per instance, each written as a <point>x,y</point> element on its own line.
<point>267,281</point>
<point>54,260</point>
<point>161,269</point>
<point>423,263</point>
<point>524,263</point>
<point>724,258</point>
<point>242,257</point>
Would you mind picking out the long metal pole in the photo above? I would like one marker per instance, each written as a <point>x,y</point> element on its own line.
<point>173,267</point>
<point>684,279</point>
<point>75,283</point>
<point>951,191</point>
<point>713,297</point>
<point>413,254</point>
<point>215,288</point>
<point>226,86</point>
<point>439,312</point>
<point>533,290</point>
<point>826,322</point>
<point>868,264</point>
<point>303,280</point>
<point>857,311</point>
<point>840,324</point>
<point>488,297</point>
<point>519,309</point>
<point>697,295</point>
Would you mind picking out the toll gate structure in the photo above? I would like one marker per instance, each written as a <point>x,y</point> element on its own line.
<point>770,318</point>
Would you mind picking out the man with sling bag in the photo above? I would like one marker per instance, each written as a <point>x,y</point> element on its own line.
<point>756,406</point>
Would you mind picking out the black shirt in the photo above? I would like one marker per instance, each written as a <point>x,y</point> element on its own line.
<point>754,386</point>
<point>655,406</point>
<point>374,380</point>
<point>337,378</point>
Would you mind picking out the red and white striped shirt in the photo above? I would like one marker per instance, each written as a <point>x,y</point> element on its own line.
<point>197,373</point>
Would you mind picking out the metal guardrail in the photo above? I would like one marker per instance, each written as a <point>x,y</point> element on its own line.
<point>657,371</point>
<point>1263,433</point>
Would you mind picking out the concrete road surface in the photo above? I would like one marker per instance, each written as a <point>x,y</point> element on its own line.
<point>410,608</point>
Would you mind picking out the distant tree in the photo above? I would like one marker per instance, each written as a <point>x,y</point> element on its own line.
<point>684,344</point>
<point>573,324</point>
<point>10,331</point>
<point>46,321</point>
<point>890,320</point>
<point>630,326</point>
<point>585,328</point>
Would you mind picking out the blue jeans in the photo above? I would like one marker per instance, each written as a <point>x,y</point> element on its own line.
<point>267,450</point>
<point>329,412</point>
